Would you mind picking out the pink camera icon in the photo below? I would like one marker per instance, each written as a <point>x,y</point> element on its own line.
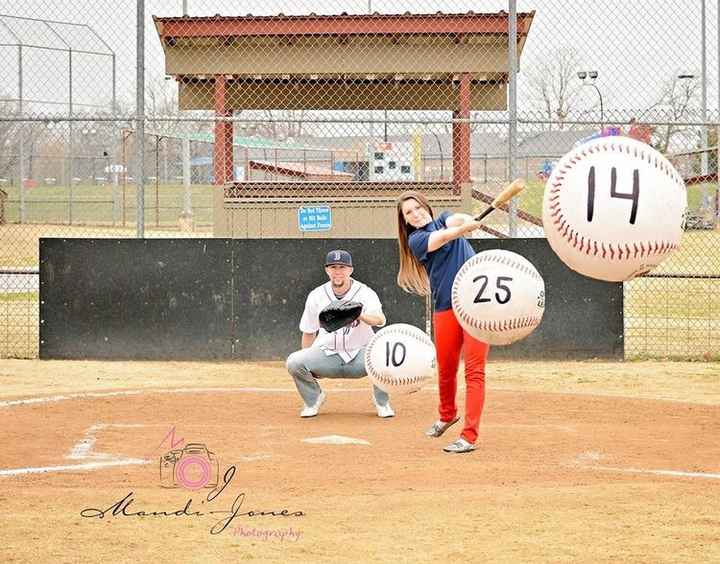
<point>193,467</point>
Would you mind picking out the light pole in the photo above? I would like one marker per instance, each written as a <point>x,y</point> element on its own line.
<point>703,87</point>
<point>588,79</point>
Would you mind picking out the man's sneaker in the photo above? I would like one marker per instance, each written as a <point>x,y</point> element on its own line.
<point>385,410</point>
<point>312,410</point>
<point>439,427</point>
<point>461,445</point>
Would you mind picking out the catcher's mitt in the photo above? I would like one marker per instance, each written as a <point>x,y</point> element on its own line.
<point>339,314</point>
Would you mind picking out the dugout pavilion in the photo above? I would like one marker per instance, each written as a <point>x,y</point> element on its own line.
<point>403,62</point>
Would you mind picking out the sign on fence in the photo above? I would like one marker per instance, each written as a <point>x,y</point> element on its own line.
<point>316,218</point>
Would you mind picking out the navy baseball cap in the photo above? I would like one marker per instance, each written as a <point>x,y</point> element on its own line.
<point>338,257</point>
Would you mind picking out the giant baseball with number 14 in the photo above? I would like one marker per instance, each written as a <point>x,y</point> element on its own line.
<point>614,208</point>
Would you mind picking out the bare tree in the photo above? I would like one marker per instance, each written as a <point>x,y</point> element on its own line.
<point>161,99</point>
<point>277,128</point>
<point>554,85</point>
<point>8,137</point>
<point>675,103</point>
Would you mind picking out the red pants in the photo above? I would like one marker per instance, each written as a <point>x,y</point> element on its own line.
<point>450,338</point>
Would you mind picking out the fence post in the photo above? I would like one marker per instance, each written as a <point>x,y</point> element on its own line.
<point>158,138</point>
<point>21,129</point>
<point>140,120</point>
<point>512,109</point>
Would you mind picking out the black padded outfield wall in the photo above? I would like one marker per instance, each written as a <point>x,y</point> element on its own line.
<point>196,298</point>
<point>182,299</point>
<point>135,298</point>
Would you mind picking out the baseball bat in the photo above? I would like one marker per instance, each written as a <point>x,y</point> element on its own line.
<point>512,190</point>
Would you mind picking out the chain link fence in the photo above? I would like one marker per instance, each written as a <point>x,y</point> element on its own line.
<point>212,118</point>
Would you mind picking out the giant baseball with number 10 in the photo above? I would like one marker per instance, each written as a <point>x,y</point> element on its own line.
<point>614,208</point>
<point>400,358</point>
<point>498,297</point>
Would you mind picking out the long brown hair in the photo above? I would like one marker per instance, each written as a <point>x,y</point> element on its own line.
<point>412,276</point>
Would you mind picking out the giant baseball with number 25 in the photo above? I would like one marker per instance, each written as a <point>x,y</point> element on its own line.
<point>614,208</point>
<point>498,297</point>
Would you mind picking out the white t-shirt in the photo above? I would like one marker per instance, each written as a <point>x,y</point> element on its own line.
<point>347,341</point>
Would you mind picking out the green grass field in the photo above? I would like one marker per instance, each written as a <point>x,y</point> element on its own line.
<point>19,297</point>
<point>93,205</point>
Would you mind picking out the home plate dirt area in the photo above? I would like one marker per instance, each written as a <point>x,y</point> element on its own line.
<point>576,462</point>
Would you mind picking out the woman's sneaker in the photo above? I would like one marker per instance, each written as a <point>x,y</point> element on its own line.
<point>439,427</point>
<point>461,445</point>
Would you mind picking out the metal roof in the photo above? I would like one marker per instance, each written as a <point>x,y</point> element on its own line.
<point>340,24</point>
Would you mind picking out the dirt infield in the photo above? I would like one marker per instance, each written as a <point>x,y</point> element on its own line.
<point>576,462</point>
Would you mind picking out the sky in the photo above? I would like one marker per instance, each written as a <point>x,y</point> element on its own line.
<point>635,46</point>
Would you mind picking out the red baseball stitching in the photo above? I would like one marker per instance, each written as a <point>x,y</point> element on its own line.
<point>590,246</point>
<point>506,260</point>
<point>499,326</point>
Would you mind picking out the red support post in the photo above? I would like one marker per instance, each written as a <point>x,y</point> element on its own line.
<point>228,146</point>
<point>456,143</point>
<point>223,149</point>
